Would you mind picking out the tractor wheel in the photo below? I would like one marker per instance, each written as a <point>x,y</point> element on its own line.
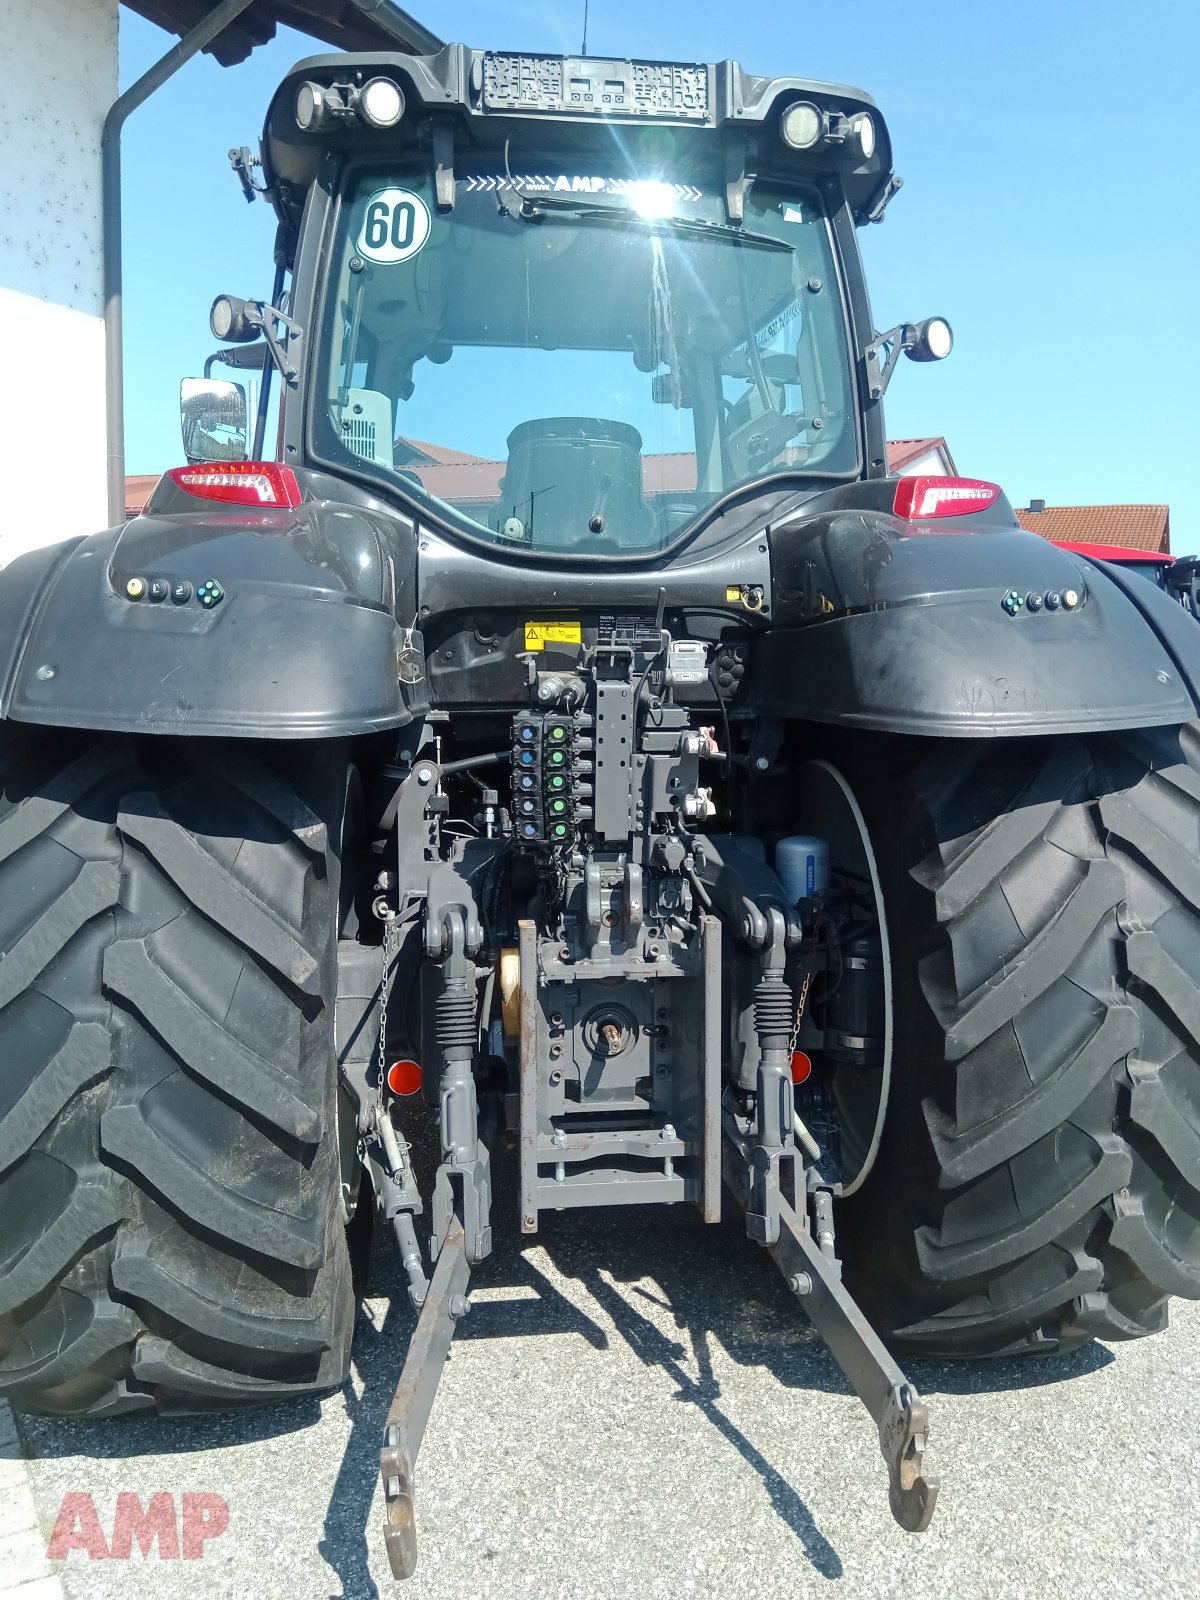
<point>1038,1179</point>
<point>171,1224</point>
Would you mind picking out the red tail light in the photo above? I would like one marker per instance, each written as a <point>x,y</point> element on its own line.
<point>943,497</point>
<point>240,483</point>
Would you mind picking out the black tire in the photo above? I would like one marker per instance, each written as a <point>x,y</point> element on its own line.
<point>171,1228</point>
<point>1038,1183</point>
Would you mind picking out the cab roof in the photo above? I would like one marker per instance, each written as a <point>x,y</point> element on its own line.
<point>473,101</point>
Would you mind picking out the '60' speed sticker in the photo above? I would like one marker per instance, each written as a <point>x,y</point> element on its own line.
<point>395,226</point>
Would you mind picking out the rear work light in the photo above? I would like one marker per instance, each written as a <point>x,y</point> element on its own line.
<point>943,497</point>
<point>240,483</point>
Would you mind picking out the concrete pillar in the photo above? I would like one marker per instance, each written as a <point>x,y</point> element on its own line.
<point>60,77</point>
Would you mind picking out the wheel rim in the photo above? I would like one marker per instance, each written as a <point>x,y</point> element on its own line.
<point>829,810</point>
<point>352,829</point>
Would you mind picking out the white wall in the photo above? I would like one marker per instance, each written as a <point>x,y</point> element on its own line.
<point>933,461</point>
<point>60,77</point>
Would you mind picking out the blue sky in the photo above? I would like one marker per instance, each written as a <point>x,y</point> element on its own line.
<point>1049,211</point>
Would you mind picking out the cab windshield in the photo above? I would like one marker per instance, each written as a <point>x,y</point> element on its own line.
<point>579,363</point>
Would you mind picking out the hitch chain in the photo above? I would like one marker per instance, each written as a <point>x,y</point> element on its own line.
<point>395,1152</point>
<point>390,946</point>
<point>809,1145</point>
<point>800,1004</point>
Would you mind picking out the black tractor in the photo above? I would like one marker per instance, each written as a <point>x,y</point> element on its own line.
<point>563,718</point>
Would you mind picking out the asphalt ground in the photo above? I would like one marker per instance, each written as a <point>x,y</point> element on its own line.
<point>636,1407</point>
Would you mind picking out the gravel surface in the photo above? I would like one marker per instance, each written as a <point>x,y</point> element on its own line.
<point>635,1407</point>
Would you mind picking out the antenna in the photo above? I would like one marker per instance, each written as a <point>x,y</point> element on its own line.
<point>583,51</point>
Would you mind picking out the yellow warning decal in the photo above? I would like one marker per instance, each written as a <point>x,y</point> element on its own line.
<point>733,594</point>
<point>539,634</point>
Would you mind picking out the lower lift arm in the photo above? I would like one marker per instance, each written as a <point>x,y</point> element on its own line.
<point>411,1404</point>
<point>899,1413</point>
<point>461,1232</point>
<point>814,1275</point>
<point>759,1152</point>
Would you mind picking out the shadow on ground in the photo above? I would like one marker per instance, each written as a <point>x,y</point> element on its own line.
<point>717,1289</point>
<point>715,1286</point>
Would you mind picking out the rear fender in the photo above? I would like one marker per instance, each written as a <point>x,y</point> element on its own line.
<point>880,624</point>
<point>303,641</point>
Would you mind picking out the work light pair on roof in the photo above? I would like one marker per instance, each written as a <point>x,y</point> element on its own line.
<point>379,103</point>
<point>804,126</point>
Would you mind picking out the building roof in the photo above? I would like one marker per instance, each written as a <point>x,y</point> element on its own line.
<point>1130,527</point>
<point>903,452</point>
<point>421,453</point>
<point>466,479</point>
<point>344,24</point>
<point>137,491</point>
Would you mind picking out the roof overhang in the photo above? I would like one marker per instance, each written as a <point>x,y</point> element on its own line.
<point>345,24</point>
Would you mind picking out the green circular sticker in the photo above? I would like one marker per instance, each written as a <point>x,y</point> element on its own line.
<point>395,226</point>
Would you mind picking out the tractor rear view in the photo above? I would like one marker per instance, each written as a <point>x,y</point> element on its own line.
<point>572,723</point>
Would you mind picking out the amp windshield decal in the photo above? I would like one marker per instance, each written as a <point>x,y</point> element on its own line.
<point>561,183</point>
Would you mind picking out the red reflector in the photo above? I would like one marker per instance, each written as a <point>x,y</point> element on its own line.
<point>801,1066</point>
<point>943,497</point>
<point>404,1077</point>
<point>241,483</point>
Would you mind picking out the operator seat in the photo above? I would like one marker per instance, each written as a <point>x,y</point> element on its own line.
<point>563,472</point>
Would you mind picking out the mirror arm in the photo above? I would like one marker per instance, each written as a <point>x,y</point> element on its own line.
<point>882,354</point>
<point>242,356</point>
<point>264,392</point>
<point>262,316</point>
<point>882,198</point>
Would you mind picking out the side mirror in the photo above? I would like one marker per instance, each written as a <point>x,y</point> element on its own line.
<point>931,340</point>
<point>673,388</point>
<point>212,413</point>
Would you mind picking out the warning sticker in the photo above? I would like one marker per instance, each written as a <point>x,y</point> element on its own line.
<point>395,226</point>
<point>627,628</point>
<point>539,634</point>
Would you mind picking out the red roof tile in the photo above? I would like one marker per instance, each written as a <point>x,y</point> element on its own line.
<point>439,454</point>
<point>469,479</point>
<point>462,483</point>
<point>1130,527</point>
<point>137,491</point>
<point>465,479</point>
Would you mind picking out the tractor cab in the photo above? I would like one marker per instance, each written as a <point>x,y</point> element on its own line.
<point>577,309</point>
